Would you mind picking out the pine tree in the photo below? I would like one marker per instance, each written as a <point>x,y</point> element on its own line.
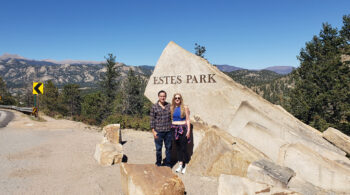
<point>132,96</point>
<point>6,97</point>
<point>321,96</point>
<point>199,50</point>
<point>109,83</point>
<point>72,98</point>
<point>93,108</point>
<point>51,101</point>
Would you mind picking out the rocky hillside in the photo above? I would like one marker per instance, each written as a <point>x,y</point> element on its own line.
<point>252,78</point>
<point>268,84</point>
<point>19,72</point>
<point>283,70</point>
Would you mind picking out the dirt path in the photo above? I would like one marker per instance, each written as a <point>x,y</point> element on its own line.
<point>56,157</point>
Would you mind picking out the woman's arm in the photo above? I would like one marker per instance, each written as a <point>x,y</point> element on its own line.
<point>188,122</point>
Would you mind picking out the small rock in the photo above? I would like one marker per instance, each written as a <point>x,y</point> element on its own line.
<point>108,153</point>
<point>112,133</point>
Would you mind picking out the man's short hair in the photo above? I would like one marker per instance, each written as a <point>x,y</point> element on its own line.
<point>161,91</point>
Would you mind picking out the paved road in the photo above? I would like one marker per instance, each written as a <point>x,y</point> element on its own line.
<point>5,118</point>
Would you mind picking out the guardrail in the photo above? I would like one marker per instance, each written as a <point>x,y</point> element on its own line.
<point>27,110</point>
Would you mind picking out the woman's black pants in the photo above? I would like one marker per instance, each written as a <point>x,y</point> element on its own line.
<point>181,147</point>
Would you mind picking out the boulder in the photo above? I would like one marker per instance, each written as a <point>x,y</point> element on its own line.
<point>231,184</point>
<point>338,138</point>
<point>220,153</point>
<point>113,133</point>
<point>315,169</point>
<point>255,127</point>
<point>218,100</point>
<point>108,153</point>
<point>264,171</point>
<point>148,179</point>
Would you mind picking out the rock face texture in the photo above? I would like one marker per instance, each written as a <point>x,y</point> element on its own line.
<point>219,153</point>
<point>230,184</point>
<point>242,128</point>
<point>265,171</point>
<point>316,169</point>
<point>338,138</point>
<point>146,179</point>
<point>299,185</point>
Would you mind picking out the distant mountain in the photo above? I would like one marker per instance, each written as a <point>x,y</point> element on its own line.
<point>72,61</point>
<point>147,69</point>
<point>19,72</point>
<point>277,69</point>
<point>281,69</point>
<point>7,57</point>
<point>227,68</point>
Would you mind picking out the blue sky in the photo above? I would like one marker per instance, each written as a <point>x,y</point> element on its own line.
<point>249,34</point>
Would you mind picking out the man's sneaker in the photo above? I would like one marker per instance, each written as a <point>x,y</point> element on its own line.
<point>183,170</point>
<point>179,169</point>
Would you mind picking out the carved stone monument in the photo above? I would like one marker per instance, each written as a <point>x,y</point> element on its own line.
<point>218,101</point>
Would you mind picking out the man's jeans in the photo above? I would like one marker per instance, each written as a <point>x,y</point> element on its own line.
<point>167,137</point>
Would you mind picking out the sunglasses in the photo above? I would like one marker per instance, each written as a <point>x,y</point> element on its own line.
<point>177,98</point>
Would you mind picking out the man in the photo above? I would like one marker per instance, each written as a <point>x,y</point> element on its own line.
<point>161,128</point>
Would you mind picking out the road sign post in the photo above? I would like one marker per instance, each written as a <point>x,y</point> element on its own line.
<point>34,100</point>
<point>38,88</point>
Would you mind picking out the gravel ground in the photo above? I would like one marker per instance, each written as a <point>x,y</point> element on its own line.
<point>56,157</point>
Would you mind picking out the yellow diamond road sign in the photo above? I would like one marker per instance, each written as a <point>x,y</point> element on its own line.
<point>38,88</point>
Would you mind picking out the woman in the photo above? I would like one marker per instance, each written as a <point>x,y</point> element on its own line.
<point>181,125</point>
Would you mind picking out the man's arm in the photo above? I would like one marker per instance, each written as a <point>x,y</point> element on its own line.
<point>153,121</point>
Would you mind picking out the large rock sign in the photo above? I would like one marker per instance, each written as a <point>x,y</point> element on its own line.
<point>219,101</point>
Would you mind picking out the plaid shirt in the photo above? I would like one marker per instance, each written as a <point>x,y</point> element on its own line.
<point>160,118</point>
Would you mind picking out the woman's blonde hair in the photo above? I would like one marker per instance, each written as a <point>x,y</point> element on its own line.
<point>182,106</point>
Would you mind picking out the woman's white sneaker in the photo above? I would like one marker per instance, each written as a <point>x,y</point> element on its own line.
<point>183,170</point>
<point>179,169</point>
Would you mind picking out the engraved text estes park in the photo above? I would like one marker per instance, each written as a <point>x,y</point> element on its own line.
<point>178,79</point>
